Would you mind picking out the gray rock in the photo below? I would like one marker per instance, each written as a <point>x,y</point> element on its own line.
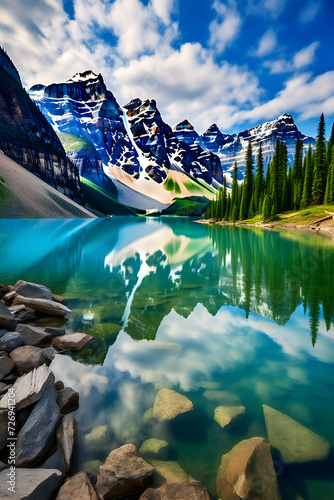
<point>169,404</point>
<point>67,399</point>
<point>67,438</point>
<point>32,484</point>
<point>59,385</point>
<point>6,365</point>
<point>32,290</point>
<point>123,473</point>
<point>3,332</point>
<point>7,320</point>
<point>247,472</point>
<point>39,432</point>
<point>55,332</point>
<point>27,358</point>
<point>30,387</point>
<point>295,442</point>
<point>3,428</point>
<point>3,353</point>
<point>77,487</point>
<point>11,341</point>
<point>49,352</point>
<point>9,296</point>
<point>26,315</point>
<point>33,335</point>
<point>16,309</point>
<point>3,466</point>
<point>42,305</point>
<point>177,491</point>
<point>2,386</point>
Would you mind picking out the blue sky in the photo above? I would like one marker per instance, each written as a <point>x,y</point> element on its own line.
<point>234,62</point>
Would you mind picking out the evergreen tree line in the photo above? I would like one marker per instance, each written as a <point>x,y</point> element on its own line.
<point>310,181</point>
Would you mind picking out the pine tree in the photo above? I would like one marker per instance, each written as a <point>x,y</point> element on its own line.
<point>308,182</point>
<point>224,200</point>
<point>248,184</point>
<point>258,182</point>
<point>267,207</point>
<point>275,180</point>
<point>228,207</point>
<point>330,181</point>
<point>320,166</point>
<point>235,185</point>
<point>330,144</point>
<point>296,175</point>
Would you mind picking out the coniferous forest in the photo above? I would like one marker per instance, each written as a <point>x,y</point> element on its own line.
<point>310,181</point>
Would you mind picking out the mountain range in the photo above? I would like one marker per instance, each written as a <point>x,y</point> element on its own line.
<point>128,159</point>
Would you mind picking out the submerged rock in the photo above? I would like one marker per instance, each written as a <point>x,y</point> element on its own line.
<point>30,387</point>
<point>39,432</point>
<point>27,358</point>
<point>92,467</point>
<point>148,414</point>
<point>295,442</point>
<point>123,473</point>
<point>177,491</point>
<point>224,415</point>
<point>169,404</point>
<point>247,472</point>
<point>171,471</point>
<point>153,448</point>
<point>97,439</point>
<point>67,438</point>
<point>223,397</point>
<point>77,487</point>
<point>71,341</point>
<point>208,385</point>
<point>32,484</point>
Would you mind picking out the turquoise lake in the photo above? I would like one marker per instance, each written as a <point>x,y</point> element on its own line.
<point>176,304</point>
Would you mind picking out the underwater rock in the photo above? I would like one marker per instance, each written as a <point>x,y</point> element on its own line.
<point>171,471</point>
<point>97,438</point>
<point>177,491</point>
<point>223,397</point>
<point>169,404</point>
<point>153,447</point>
<point>247,472</point>
<point>123,473</point>
<point>224,415</point>
<point>295,442</point>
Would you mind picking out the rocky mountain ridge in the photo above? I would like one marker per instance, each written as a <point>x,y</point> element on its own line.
<point>27,137</point>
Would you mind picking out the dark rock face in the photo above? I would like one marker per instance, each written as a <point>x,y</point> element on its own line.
<point>39,432</point>
<point>27,137</point>
<point>32,290</point>
<point>7,320</point>
<point>11,341</point>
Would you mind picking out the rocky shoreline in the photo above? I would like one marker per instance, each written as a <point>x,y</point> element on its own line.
<point>35,418</point>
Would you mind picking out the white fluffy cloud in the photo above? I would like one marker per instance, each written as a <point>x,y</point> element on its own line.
<point>267,43</point>
<point>225,28</point>
<point>301,60</point>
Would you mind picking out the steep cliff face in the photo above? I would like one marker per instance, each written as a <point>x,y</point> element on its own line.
<point>27,137</point>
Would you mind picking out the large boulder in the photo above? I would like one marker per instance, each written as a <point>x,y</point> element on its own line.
<point>67,438</point>
<point>30,387</point>
<point>177,491</point>
<point>247,472</point>
<point>71,341</point>
<point>295,442</point>
<point>31,484</point>
<point>223,397</point>
<point>169,404</point>
<point>33,335</point>
<point>27,358</point>
<point>123,473</point>
<point>7,320</point>
<point>6,365</point>
<point>77,487</point>
<point>67,399</point>
<point>42,305</point>
<point>39,432</point>
<point>32,290</point>
<point>11,341</point>
<point>224,415</point>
